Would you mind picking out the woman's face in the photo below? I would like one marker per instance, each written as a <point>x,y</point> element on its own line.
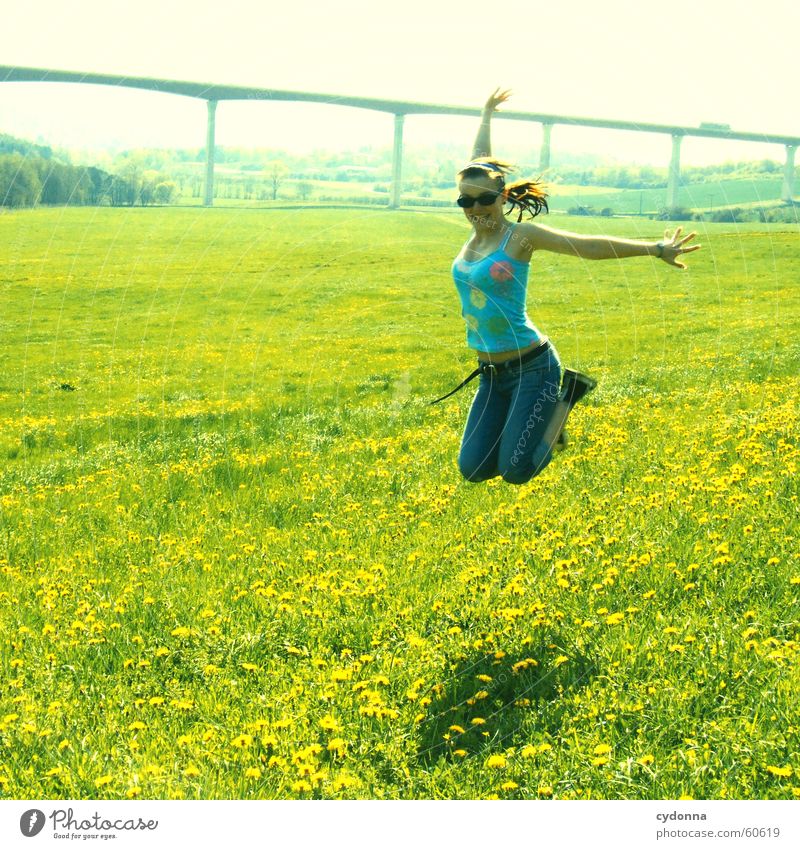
<point>478,213</point>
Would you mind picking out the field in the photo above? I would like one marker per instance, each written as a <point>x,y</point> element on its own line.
<point>237,559</point>
<point>703,197</point>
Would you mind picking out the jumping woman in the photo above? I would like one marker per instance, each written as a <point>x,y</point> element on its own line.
<point>518,414</point>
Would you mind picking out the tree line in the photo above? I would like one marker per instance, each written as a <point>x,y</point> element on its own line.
<point>30,175</point>
<point>32,180</point>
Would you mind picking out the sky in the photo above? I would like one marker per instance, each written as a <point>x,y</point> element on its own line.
<point>680,62</point>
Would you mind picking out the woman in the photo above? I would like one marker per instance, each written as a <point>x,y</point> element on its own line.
<point>517,416</point>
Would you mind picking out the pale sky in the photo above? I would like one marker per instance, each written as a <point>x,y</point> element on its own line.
<point>679,62</point>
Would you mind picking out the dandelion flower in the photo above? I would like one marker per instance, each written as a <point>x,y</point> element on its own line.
<point>780,771</point>
<point>496,762</point>
<point>328,723</point>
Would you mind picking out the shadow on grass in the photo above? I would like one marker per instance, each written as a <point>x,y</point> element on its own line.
<point>487,701</point>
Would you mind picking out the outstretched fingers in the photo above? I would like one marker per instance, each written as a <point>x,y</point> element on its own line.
<point>497,97</point>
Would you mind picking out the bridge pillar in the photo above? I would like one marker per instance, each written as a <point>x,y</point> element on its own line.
<point>787,192</point>
<point>544,150</point>
<point>397,162</point>
<point>212,110</point>
<point>674,171</point>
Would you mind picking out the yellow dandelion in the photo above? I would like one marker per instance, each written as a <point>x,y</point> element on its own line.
<point>645,760</point>
<point>545,791</point>
<point>132,792</point>
<point>191,771</point>
<point>457,729</point>
<point>328,723</point>
<point>337,745</point>
<point>252,772</point>
<point>103,780</point>
<point>242,741</point>
<point>509,785</point>
<point>780,771</point>
<point>602,749</point>
<point>496,762</point>
<point>478,721</point>
<point>462,753</point>
<point>344,780</point>
<point>301,786</point>
<point>599,761</point>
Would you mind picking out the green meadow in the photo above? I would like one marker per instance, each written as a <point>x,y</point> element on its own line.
<point>237,559</point>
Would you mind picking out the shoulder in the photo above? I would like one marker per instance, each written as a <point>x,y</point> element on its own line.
<point>530,237</point>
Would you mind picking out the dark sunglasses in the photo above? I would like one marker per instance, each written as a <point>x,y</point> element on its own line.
<point>486,199</point>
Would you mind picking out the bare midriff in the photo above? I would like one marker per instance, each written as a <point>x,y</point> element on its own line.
<point>504,356</point>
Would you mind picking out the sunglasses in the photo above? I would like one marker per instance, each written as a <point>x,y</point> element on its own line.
<point>486,199</point>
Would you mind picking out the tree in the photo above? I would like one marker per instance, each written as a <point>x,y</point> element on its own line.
<point>303,190</point>
<point>165,192</point>
<point>276,175</point>
<point>19,182</point>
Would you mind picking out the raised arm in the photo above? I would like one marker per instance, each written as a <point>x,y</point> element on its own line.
<point>539,237</point>
<point>483,142</point>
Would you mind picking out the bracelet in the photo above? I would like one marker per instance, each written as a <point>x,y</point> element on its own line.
<point>660,246</point>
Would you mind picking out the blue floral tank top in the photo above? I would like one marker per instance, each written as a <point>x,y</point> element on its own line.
<point>493,293</point>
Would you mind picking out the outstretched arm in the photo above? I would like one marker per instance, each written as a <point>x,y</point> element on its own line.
<point>483,144</point>
<point>544,238</point>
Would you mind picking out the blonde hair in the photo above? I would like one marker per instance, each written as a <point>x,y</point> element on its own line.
<point>528,195</point>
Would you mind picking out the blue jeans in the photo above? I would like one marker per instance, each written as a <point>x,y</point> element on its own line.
<point>509,415</point>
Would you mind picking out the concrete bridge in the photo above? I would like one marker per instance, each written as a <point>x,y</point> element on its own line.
<point>213,93</point>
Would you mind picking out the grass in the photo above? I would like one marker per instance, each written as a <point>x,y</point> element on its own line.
<point>237,559</point>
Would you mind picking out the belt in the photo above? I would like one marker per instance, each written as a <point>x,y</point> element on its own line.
<point>494,368</point>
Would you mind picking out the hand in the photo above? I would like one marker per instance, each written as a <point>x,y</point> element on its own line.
<point>673,247</point>
<point>495,99</point>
